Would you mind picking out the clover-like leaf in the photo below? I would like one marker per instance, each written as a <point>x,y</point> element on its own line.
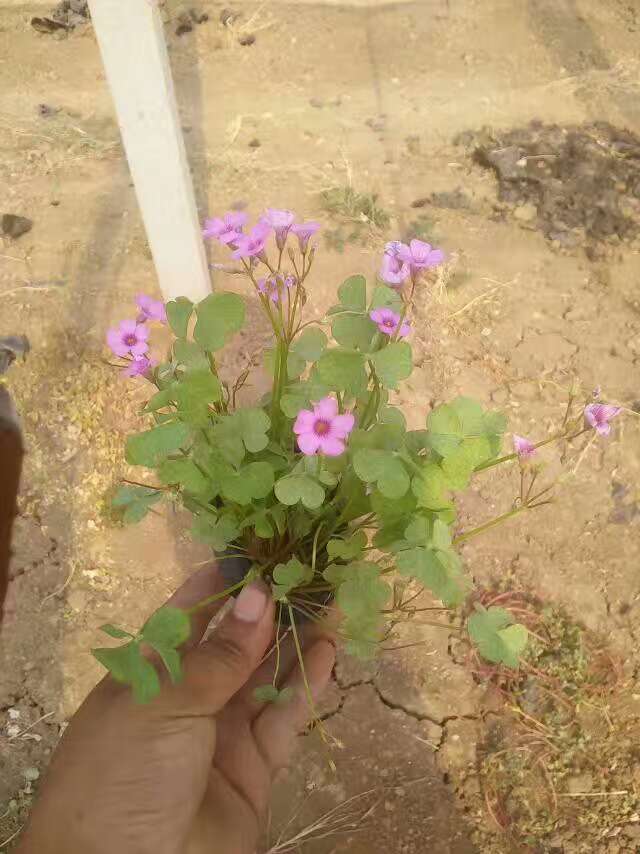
<point>134,502</point>
<point>302,488</point>
<point>194,393</point>
<point>152,446</point>
<point>342,370</point>
<point>115,632</point>
<point>189,355</point>
<point>253,425</point>
<point>454,424</point>
<point>383,468</point>
<point>169,627</point>
<point>178,314</point>
<point>385,297</point>
<point>216,531</point>
<point>253,481</point>
<point>352,293</point>
<point>349,549</point>
<point>430,488</point>
<point>310,344</point>
<point>438,570</point>
<point>287,576</point>
<point>127,665</point>
<point>360,596</point>
<point>355,331</point>
<point>219,316</point>
<point>498,638</point>
<point>393,363</point>
<point>185,473</point>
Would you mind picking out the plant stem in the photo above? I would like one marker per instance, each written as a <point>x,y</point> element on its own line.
<point>296,641</point>
<point>217,596</point>
<point>507,457</point>
<point>488,525</point>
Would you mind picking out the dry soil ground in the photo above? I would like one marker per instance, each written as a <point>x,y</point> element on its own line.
<point>328,96</point>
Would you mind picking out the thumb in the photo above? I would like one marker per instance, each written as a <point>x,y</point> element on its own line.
<point>218,668</point>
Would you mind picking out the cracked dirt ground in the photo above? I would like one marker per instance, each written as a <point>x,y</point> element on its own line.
<point>378,95</point>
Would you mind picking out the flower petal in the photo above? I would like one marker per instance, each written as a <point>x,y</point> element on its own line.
<point>139,349</point>
<point>342,425</point>
<point>309,443</point>
<point>331,446</point>
<point>114,340</point>
<point>326,408</point>
<point>128,327</point>
<point>304,422</point>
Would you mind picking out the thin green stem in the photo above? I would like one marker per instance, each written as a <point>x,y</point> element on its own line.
<point>296,641</point>
<point>507,457</point>
<point>275,673</point>
<point>217,596</point>
<point>488,525</point>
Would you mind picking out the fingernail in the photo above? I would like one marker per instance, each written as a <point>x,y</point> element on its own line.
<point>251,603</point>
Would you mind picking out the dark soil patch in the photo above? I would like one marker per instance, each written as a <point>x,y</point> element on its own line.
<point>579,185</point>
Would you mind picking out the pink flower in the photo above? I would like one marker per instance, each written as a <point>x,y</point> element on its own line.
<point>322,430</point>
<point>138,367</point>
<point>420,255</point>
<point>524,448</point>
<point>227,229</point>
<point>388,321</point>
<point>129,339</point>
<point>280,222</point>
<point>150,309</point>
<point>252,245</point>
<point>599,415</point>
<point>393,271</point>
<point>304,231</point>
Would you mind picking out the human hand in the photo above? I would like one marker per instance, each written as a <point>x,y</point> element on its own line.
<point>190,772</point>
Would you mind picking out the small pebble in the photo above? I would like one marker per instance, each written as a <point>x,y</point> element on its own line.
<point>255,143</point>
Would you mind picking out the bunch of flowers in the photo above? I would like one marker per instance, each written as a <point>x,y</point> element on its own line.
<point>319,486</point>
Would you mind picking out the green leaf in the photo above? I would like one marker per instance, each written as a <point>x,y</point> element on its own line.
<point>185,473</point>
<point>383,468</point>
<point>171,660</point>
<point>271,694</point>
<point>386,297</point>
<point>188,354</point>
<point>253,481</point>
<point>430,488</point>
<point>152,446</point>
<point>459,422</point>
<point>438,570</point>
<point>360,596</point>
<point>310,344</point>
<point>216,531</point>
<point>178,314</point>
<point>160,399</point>
<point>350,549</point>
<point>114,631</point>
<point>296,488</point>
<point>392,415</point>
<point>219,316</point>
<point>252,425</point>
<point>135,502</point>
<point>288,576</point>
<point>295,365</point>
<point>428,531</point>
<point>127,665</point>
<point>355,331</point>
<point>168,627</point>
<point>195,391</point>
<point>300,395</point>
<point>458,465</point>
<point>393,363</point>
<point>342,370</point>
<point>352,293</point>
<point>497,637</point>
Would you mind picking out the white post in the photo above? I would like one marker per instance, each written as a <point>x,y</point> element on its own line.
<point>131,39</point>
